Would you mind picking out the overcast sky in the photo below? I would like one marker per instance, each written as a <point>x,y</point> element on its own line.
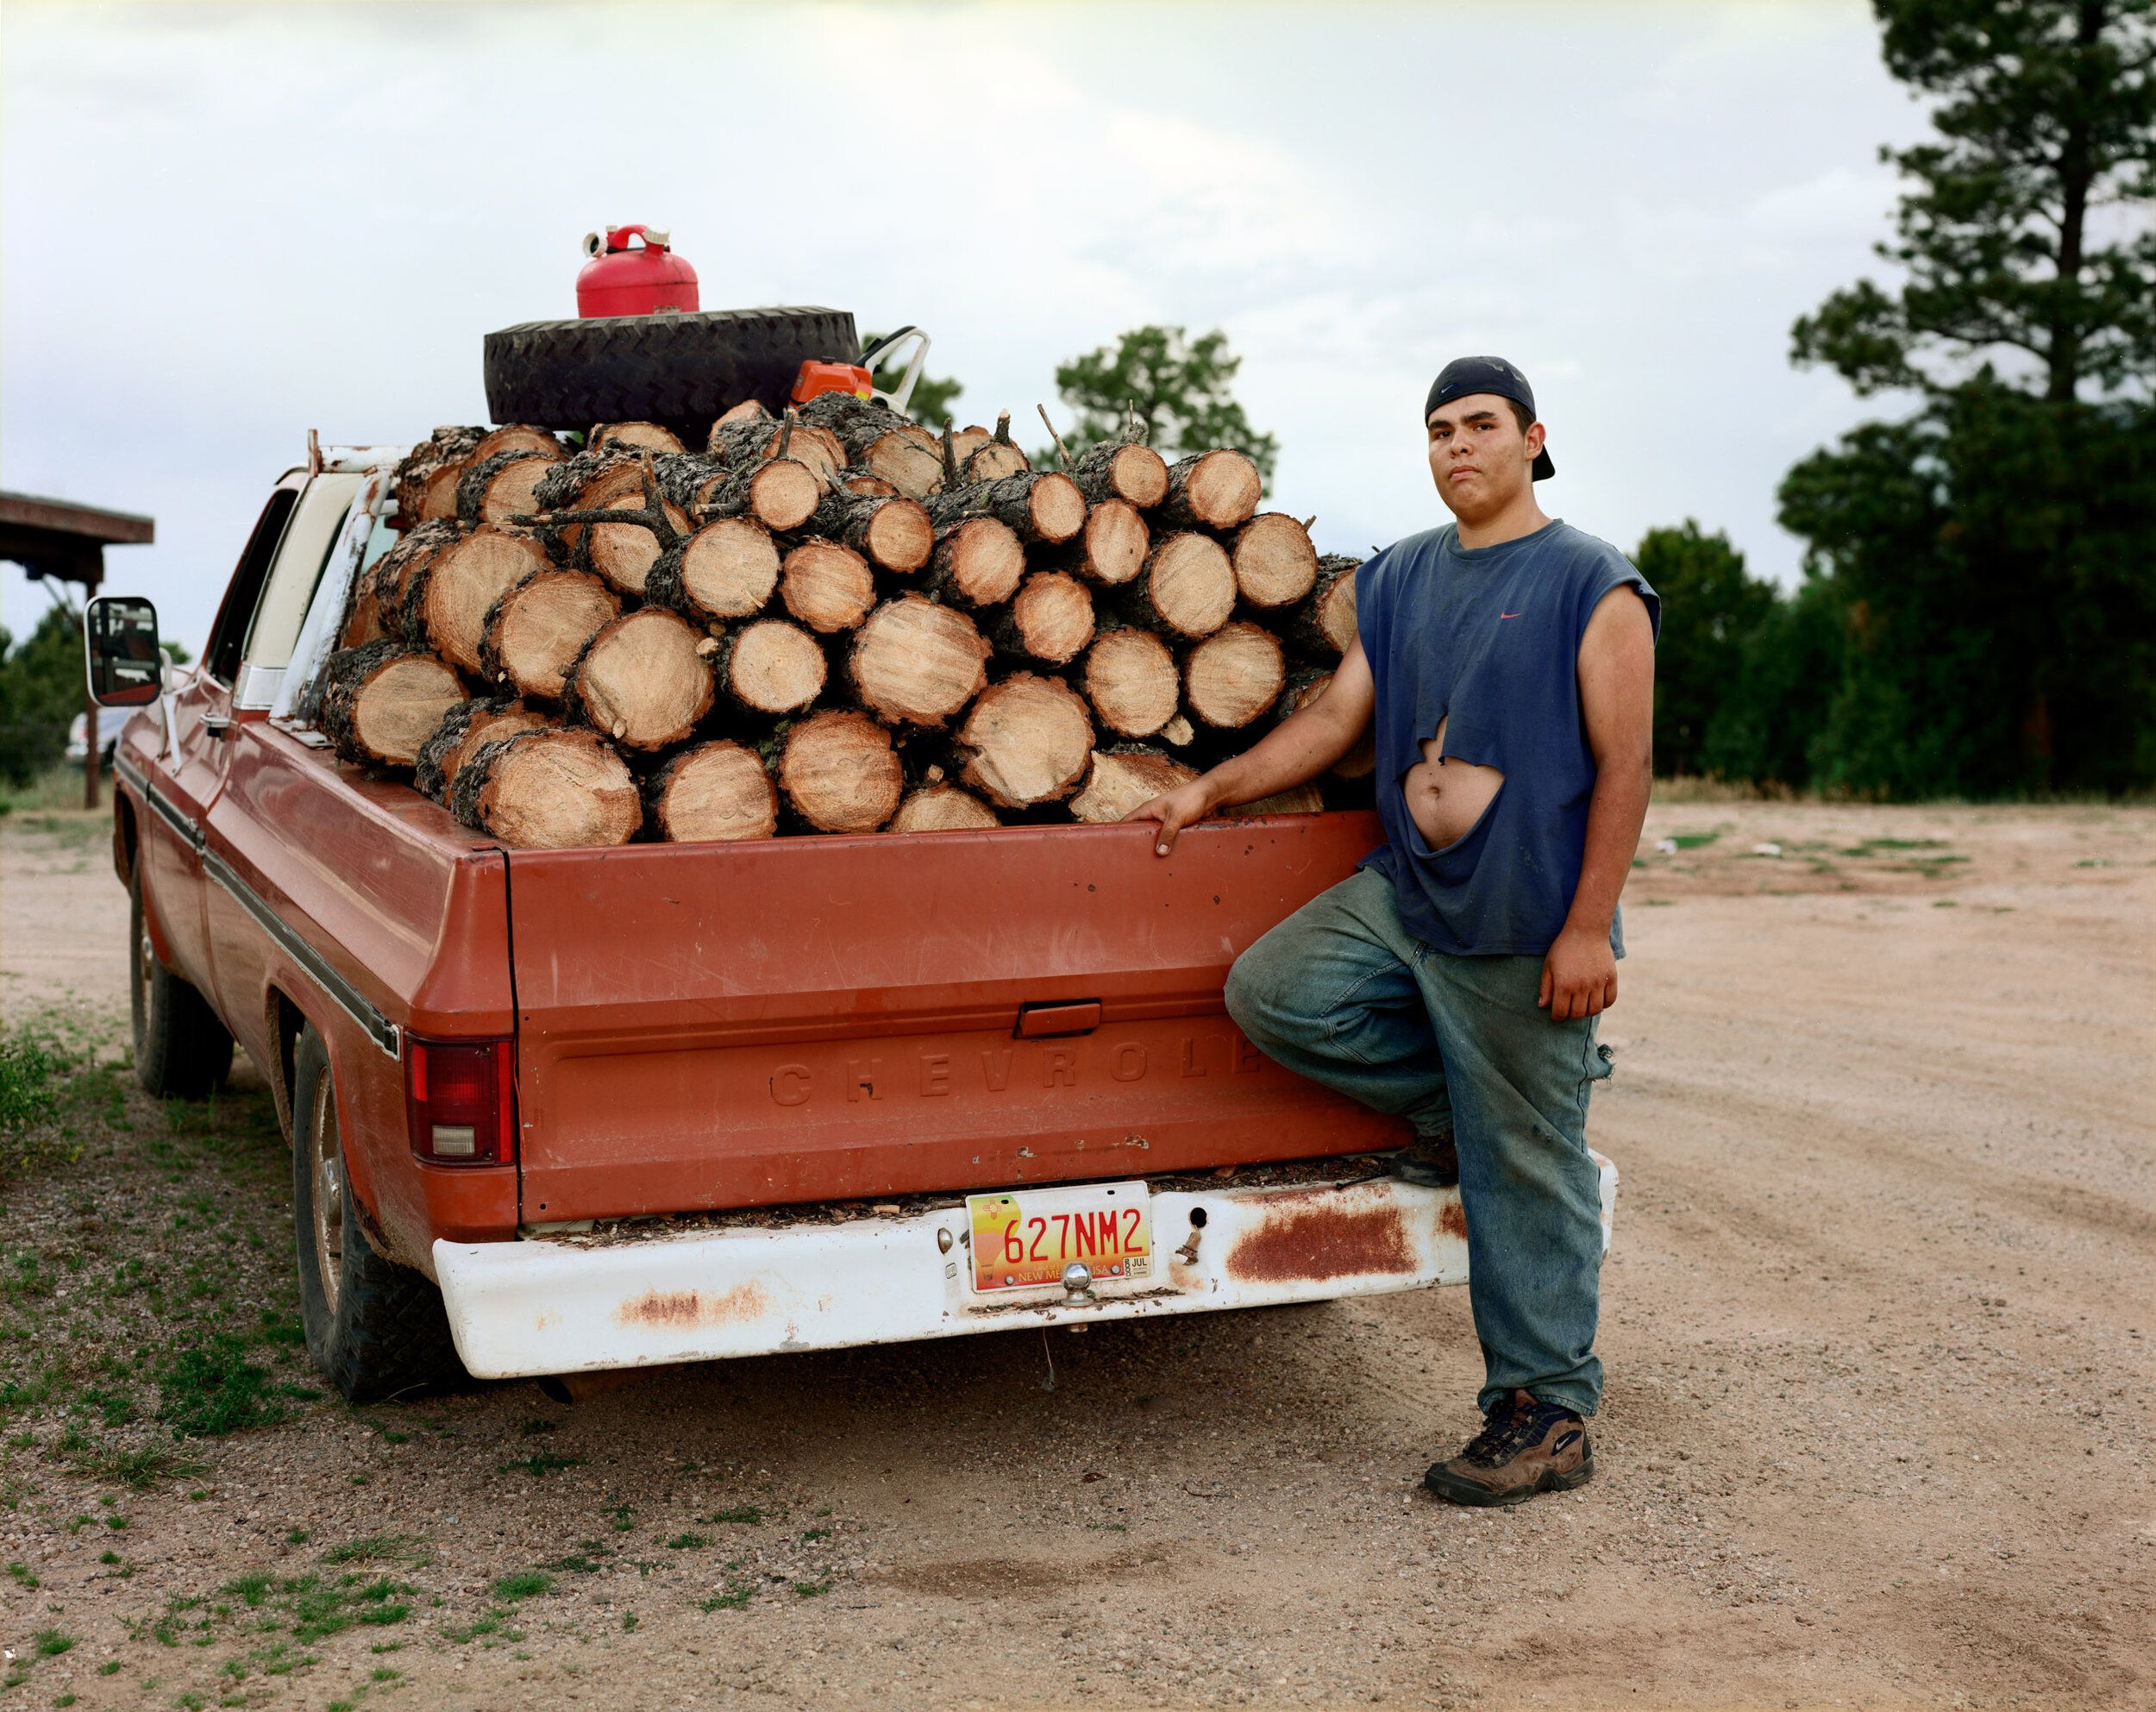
<point>220,227</point>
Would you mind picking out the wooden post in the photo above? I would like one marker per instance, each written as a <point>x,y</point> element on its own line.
<point>89,761</point>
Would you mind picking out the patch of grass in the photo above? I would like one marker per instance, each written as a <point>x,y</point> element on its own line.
<point>51,1643</point>
<point>1693,841</point>
<point>818,1533</point>
<point>21,1574</point>
<point>112,1667</point>
<point>622,1513</point>
<point>539,1464</point>
<point>139,1470</point>
<point>579,1562</point>
<point>534,1427</point>
<point>736,1598</point>
<point>687,1542</point>
<point>810,1590</point>
<point>213,1389</point>
<point>628,1622</point>
<point>30,1068</point>
<point>523,1585</point>
<point>747,1514</point>
<point>382,1548</point>
<point>298,1536</point>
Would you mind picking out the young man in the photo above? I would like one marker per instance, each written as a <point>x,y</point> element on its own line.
<point>1457,977</point>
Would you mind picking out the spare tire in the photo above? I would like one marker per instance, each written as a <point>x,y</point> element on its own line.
<point>681,370</point>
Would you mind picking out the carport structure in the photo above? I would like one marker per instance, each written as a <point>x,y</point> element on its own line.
<point>58,538</point>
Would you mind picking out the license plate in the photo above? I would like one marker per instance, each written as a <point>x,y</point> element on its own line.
<point>1025,1240</point>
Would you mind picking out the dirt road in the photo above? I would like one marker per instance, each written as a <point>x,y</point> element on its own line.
<point>1877,1321</point>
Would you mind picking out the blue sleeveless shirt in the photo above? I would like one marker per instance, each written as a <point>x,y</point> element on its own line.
<point>1489,638</point>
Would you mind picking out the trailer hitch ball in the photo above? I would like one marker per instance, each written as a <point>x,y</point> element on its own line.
<point>1077,1281</point>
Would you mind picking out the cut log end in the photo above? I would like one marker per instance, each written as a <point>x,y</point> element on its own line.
<point>1027,740</point>
<point>381,702</point>
<point>783,494</point>
<point>1187,589</point>
<point>1213,490</point>
<point>727,569</point>
<point>1122,780</point>
<point>464,729</point>
<point>1275,564</point>
<point>976,563</point>
<point>1057,507</point>
<point>1111,549</point>
<point>899,536</point>
<point>771,667</point>
<point>717,793</point>
<point>538,627</point>
<point>839,772</point>
<point>827,587</point>
<point>1234,675</point>
<point>1131,681</point>
<point>464,581</point>
<point>1049,619</point>
<point>943,808</point>
<point>917,662</point>
<point>641,679</point>
<point>1139,474</point>
<point>549,790</point>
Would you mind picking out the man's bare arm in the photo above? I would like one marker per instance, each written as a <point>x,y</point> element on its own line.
<point>1299,749</point>
<point>1616,679</point>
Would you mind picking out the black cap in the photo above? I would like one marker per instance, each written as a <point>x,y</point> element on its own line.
<point>1465,376</point>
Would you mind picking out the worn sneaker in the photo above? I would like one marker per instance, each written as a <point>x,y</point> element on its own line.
<point>1525,1446</point>
<point>1433,1162</point>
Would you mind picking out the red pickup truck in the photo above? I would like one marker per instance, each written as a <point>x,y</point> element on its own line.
<point>553,1111</point>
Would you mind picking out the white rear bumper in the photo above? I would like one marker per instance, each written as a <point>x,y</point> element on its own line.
<point>526,1309</point>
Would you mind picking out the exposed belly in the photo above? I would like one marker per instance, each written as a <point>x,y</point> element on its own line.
<point>1446,798</point>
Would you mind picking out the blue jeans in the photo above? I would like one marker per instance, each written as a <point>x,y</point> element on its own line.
<point>1342,993</point>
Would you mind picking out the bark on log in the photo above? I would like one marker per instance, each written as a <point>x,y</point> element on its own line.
<point>538,628</point>
<point>1048,623</point>
<point>726,570</point>
<point>1301,800</point>
<point>1210,490</point>
<point>917,663</point>
<point>743,442</point>
<point>642,680</point>
<point>828,587</point>
<point>518,437</point>
<point>943,808</point>
<point>448,595</point>
<point>1110,550</point>
<point>1185,591</point>
<point>431,469</point>
<point>1123,777</point>
<point>1323,627</point>
<point>892,534</point>
<point>1131,681</point>
<point>717,793</point>
<point>749,409</point>
<point>1274,562</point>
<point>589,482</point>
<point>977,563</point>
<point>1038,505</point>
<point>458,737</point>
<point>688,478</point>
<point>391,575</point>
<point>878,439</point>
<point>1027,740</point>
<point>839,774</point>
<point>381,702</point>
<point>769,669</point>
<point>499,487</point>
<point>1135,474</point>
<point>548,790</point>
<point>643,436</point>
<point>965,441</point>
<point>623,538</point>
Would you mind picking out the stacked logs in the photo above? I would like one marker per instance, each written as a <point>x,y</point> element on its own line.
<point>838,622</point>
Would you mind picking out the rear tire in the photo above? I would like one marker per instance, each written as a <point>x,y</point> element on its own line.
<point>681,370</point>
<point>180,1047</point>
<point>375,1329</point>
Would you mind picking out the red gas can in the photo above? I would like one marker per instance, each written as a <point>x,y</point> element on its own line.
<point>619,280</point>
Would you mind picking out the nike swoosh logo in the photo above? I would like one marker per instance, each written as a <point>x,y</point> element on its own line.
<point>1511,614</point>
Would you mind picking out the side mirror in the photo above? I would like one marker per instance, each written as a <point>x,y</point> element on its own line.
<point>120,637</point>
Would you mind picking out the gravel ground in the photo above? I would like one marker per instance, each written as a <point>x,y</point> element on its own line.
<point>1876,1323</point>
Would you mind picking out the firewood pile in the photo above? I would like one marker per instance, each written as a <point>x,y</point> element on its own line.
<point>834,621</point>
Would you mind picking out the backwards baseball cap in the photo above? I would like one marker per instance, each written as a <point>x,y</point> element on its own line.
<point>1464,376</point>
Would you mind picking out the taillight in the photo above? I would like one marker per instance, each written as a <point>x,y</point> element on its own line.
<point>461,1098</point>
